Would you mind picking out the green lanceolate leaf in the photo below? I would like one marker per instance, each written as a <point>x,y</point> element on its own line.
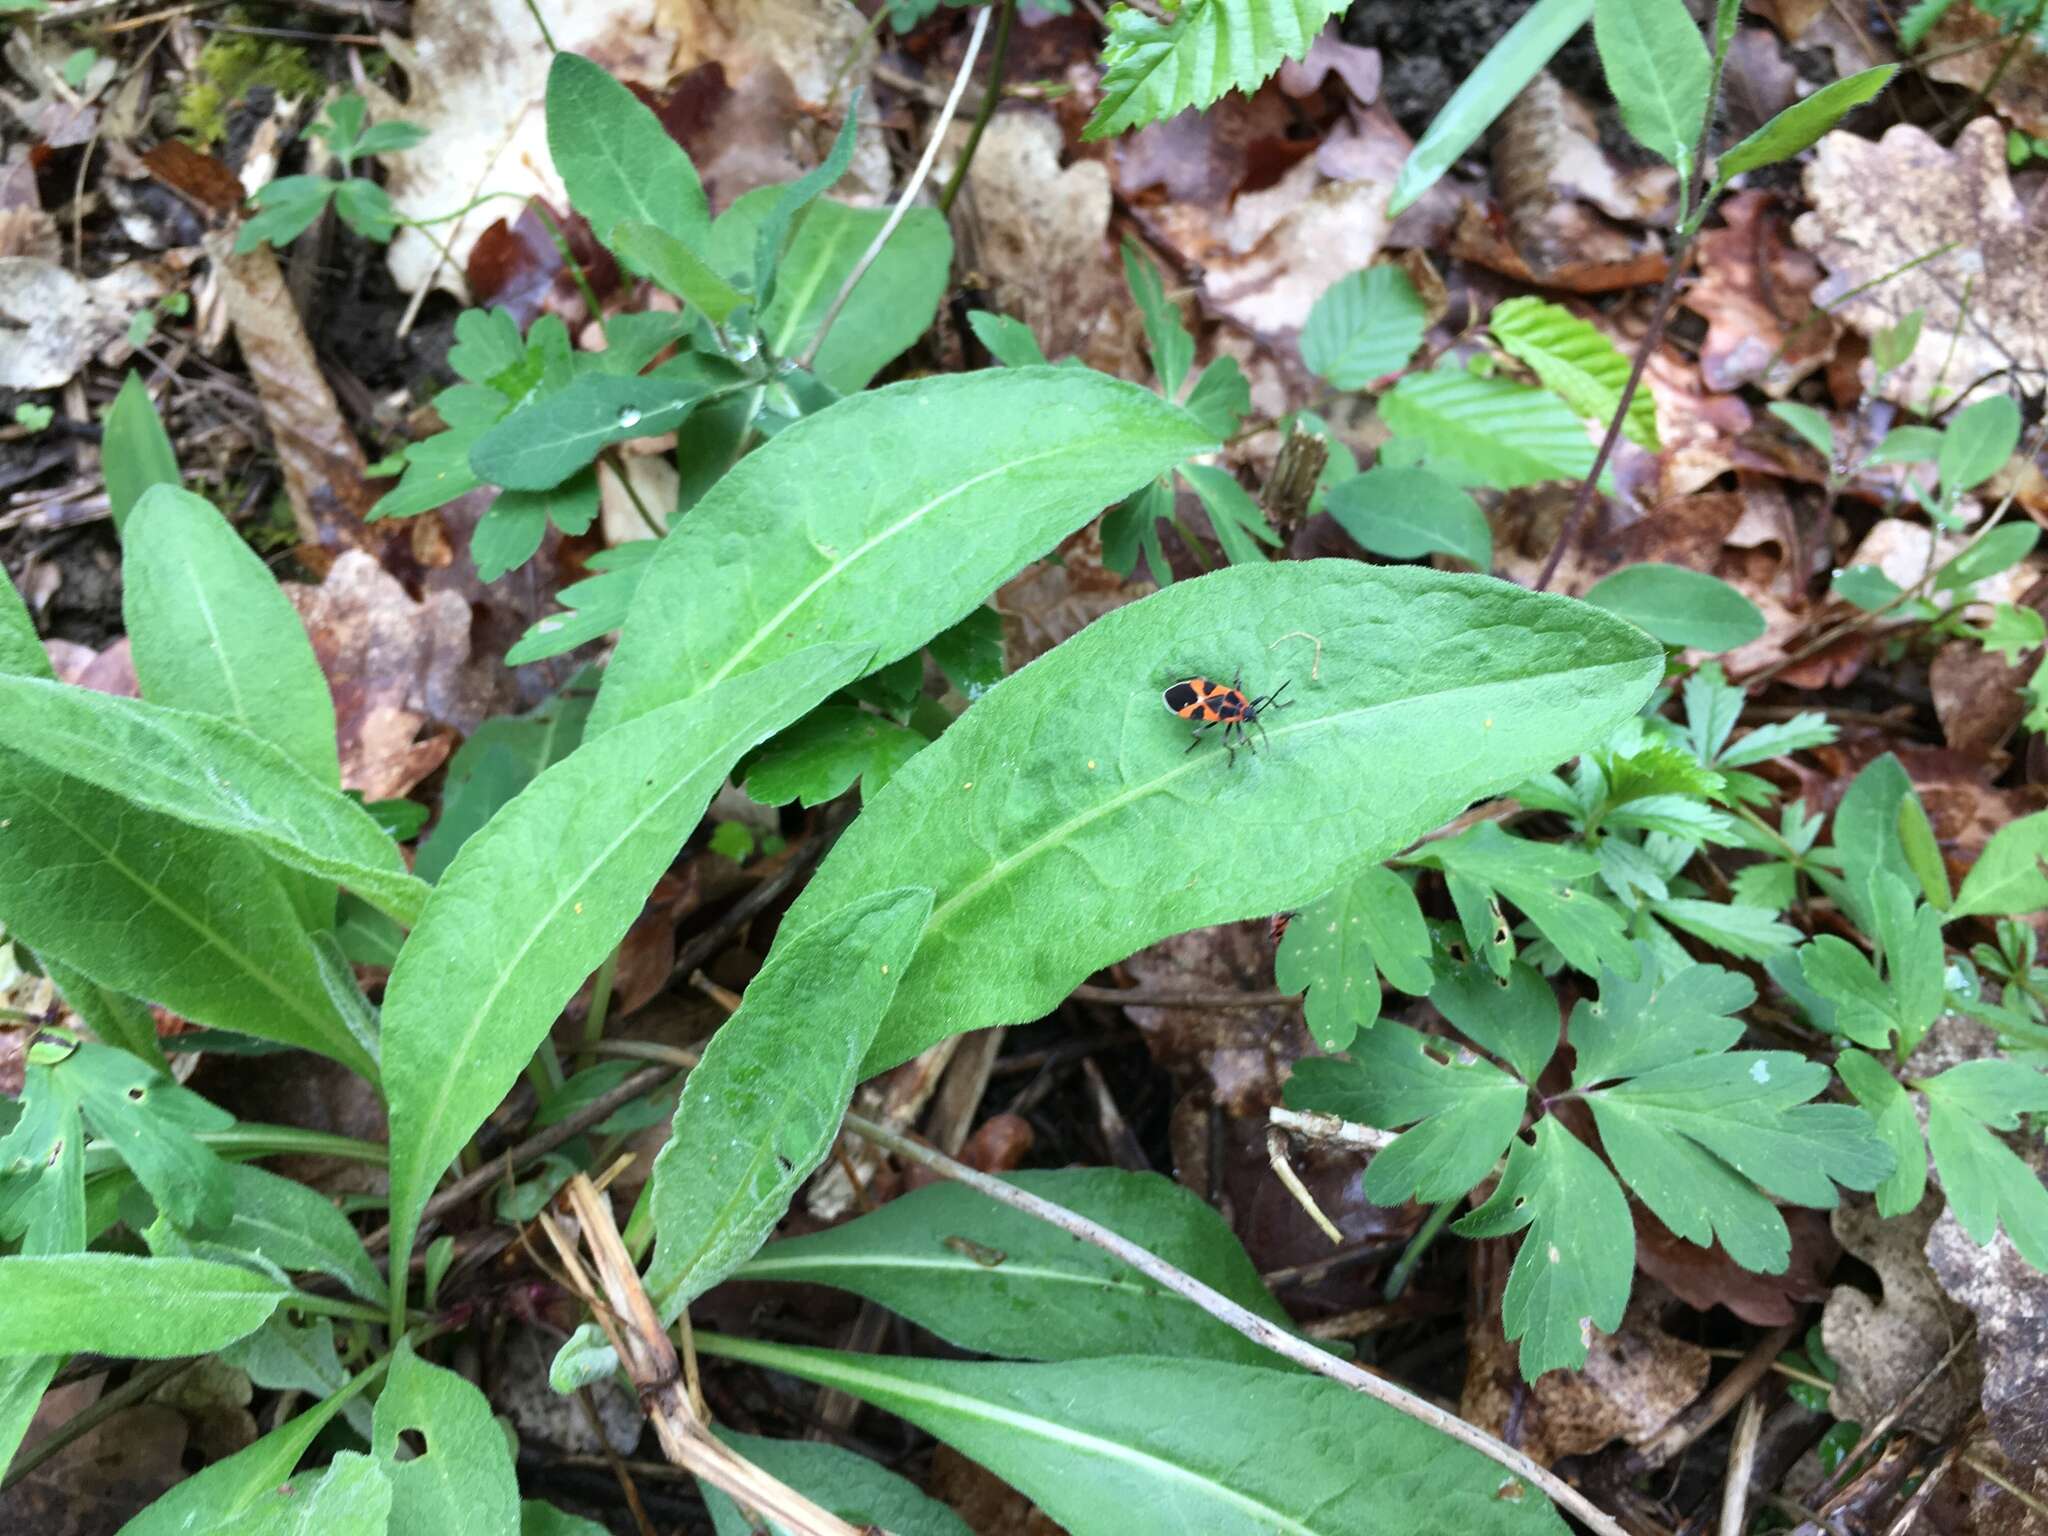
<point>1657,65</point>
<point>770,240</point>
<point>661,256</point>
<point>1483,95</point>
<point>761,1110</point>
<point>135,450</point>
<point>212,632</point>
<point>115,1304</point>
<point>21,649</point>
<point>296,1228</point>
<point>1068,786</point>
<point>615,158</point>
<point>1147,1447</point>
<point>464,1482</point>
<point>1155,69</point>
<point>850,1485</point>
<point>1464,1110</point>
<point>820,757</point>
<point>1166,334</point>
<point>1801,125</point>
<point>536,900</point>
<point>1574,358</point>
<point>1891,1112</point>
<point>214,777</point>
<point>1364,327</point>
<point>541,444</point>
<point>1679,606</point>
<point>998,1282</point>
<point>1409,513</point>
<point>153,908</point>
<point>882,520</point>
<point>1480,430</point>
<point>2008,877</point>
<point>1573,1270</point>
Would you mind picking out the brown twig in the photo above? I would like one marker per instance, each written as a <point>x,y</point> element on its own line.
<point>1741,1460</point>
<point>1710,1410</point>
<point>1145,997</point>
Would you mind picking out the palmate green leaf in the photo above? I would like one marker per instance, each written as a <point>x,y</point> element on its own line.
<point>1364,327</point>
<point>860,1492</point>
<point>1801,125</point>
<point>1153,70</point>
<point>539,445</point>
<point>998,1282</point>
<point>1550,882</point>
<point>212,632</point>
<point>1146,1447</point>
<point>1485,93</point>
<point>1068,787</point>
<point>1332,947</point>
<point>869,523</point>
<point>1479,430</point>
<point>820,757</point>
<point>155,909</point>
<point>511,530</point>
<point>1576,360</point>
<point>1643,1022</point>
<point>1658,68</point>
<point>464,1481</point>
<point>760,1112</point>
<point>135,451</point>
<point>1749,933</point>
<point>1515,1016</point>
<point>534,902</point>
<point>1987,1184</point>
<point>887,311</point>
<point>1891,1112</point>
<point>595,606</point>
<point>1409,513</point>
<point>614,157</point>
<point>2008,878</point>
<point>116,1304</point>
<point>1679,606</point>
<point>214,777</point>
<point>1572,1272</point>
<point>1464,1110</point>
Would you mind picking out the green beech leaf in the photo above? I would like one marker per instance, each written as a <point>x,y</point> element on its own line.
<point>1154,69</point>
<point>464,1481</point>
<point>1464,1110</point>
<point>1679,606</point>
<point>539,445</point>
<point>1364,327</point>
<point>156,909</point>
<point>1480,430</point>
<point>135,451</point>
<point>2008,878</point>
<point>1574,358</point>
<point>995,1281</point>
<point>212,631</point>
<point>1514,1016</point>
<point>1148,1447</point>
<point>845,1482</point>
<point>1801,125</point>
<point>615,158</point>
<point>820,757</point>
<point>760,1112</point>
<point>1068,786</point>
<point>1485,93</point>
<point>1987,1184</point>
<point>1409,513</point>
<point>213,776</point>
<point>1976,443</point>
<point>1572,1272</point>
<point>116,1304</point>
<point>534,902</point>
<point>1891,1111</point>
<point>844,538</point>
<point>1657,66</point>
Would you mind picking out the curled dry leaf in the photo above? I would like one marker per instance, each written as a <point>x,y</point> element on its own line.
<point>1878,207</point>
<point>2009,1299</point>
<point>1884,1346</point>
<point>1706,1277</point>
<point>1755,292</point>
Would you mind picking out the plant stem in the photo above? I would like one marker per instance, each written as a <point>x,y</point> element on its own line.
<point>1404,1267</point>
<point>600,1005</point>
<point>999,53</point>
<point>1250,1324</point>
<point>917,180</point>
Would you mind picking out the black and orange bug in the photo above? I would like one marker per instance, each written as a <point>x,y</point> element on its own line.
<point>1210,704</point>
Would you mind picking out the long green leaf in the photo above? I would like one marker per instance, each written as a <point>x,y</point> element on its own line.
<point>213,776</point>
<point>1658,67</point>
<point>151,907</point>
<point>883,520</point>
<point>761,1110</point>
<point>465,1481</point>
<point>616,159</point>
<point>116,1304</point>
<point>1068,789</point>
<point>1509,65</point>
<point>536,900</point>
<point>997,1282</point>
<point>2008,877</point>
<point>850,1485</point>
<point>1153,70</point>
<point>1146,1447</point>
<point>1802,124</point>
<point>21,648</point>
<point>135,451</point>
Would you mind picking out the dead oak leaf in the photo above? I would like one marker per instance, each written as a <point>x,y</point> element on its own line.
<point>1880,207</point>
<point>1755,293</point>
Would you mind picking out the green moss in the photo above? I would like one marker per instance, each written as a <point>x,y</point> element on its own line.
<point>229,68</point>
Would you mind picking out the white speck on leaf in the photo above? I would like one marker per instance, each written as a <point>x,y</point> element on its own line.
<point>1760,1071</point>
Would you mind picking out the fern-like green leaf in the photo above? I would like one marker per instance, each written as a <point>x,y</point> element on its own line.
<point>1154,69</point>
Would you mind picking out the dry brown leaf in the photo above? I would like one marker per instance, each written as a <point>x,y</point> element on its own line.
<point>1758,81</point>
<point>1967,48</point>
<point>1884,1346</point>
<point>1755,293</point>
<point>1329,54</point>
<point>53,322</point>
<point>1706,1277</point>
<point>1984,300</point>
<point>1243,1053</point>
<point>2009,1299</point>
<point>1977,697</point>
